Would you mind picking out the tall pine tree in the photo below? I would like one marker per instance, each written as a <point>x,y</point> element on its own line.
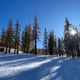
<point>3,37</point>
<point>45,42</point>
<point>36,33</point>
<point>26,39</point>
<point>51,44</point>
<point>67,39</point>
<point>60,47</point>
<point>17,37</point>
<point>10,35</point>
<point>23,46</point>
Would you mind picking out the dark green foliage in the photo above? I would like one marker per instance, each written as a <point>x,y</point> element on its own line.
<point>51,43</point>
<point>23,46</point>
<point>17,37</point>
<point>26,39</point>
<point>70,46</point>
<point>67,37</point>
<point>45,42</point>
<point>60,47</point>
<point>3,37</point>
<point>10,36</point>
<point>36,33</point>
<point>71,42</point>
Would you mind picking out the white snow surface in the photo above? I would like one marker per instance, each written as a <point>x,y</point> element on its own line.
<point>40,67</point>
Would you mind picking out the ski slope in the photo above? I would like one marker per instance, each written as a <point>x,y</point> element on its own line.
<point>41,67</point>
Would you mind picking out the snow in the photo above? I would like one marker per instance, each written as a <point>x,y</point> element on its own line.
<point>40,67</point>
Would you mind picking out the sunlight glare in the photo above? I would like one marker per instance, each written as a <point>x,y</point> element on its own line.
<point>73,32</point>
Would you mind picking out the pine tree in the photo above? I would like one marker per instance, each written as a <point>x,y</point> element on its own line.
<point>55,45</point>
<point>17,37</point>
<point>74,43</point>
<point>45,42</point>
<point>6,42</point>
<point>3,37</point>
<point>60,47</point>
<point>77,36</point>
<point>51,43</point>
<point>36,33</point>
<point>70,41</point>
<point>26,39</point>
<point>10,35</point>
<point>67,39</point>
<point>23,46</point>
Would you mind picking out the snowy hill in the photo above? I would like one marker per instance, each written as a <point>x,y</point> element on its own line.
<point>31,67</point>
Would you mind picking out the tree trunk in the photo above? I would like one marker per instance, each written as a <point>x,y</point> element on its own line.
<point>9,49</point>
<point>6,50</point>
<point>35,46</point>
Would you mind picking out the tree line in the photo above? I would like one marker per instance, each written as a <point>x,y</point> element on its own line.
<point>71,40</point>
<point>27,42</point>
<point>11,38</point>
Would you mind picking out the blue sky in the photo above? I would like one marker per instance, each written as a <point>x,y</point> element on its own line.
<point>51,13</point>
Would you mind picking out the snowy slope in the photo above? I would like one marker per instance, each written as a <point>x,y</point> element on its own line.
<point>31,67</point>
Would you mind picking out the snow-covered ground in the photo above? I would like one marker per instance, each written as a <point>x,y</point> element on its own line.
<point>31,67</point>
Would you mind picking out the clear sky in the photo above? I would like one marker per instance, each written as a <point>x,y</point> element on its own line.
<point>51,13</point>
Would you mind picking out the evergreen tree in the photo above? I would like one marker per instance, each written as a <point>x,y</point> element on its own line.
<point>51,43</point>
<point>74,43</point>
<point>45,42</point>
<point>17,37</point>
<point>60,47</point>
<point>67,37</point>
<point>55,45</point>
<point>36,33</point>
<point>23,46</point>
<point>70,40</point>
<point>6,42</point>
<point>3,37</point>
<point>26,39</point>
<point>78,43</point>
<point>10,35</point>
